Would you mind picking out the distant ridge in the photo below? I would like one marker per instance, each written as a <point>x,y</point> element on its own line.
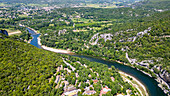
<point>64,1</point>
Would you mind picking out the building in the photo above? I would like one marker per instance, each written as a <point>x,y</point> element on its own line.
<point>89,92</point>
<point>70,88</point>
<point>57,79</point>
<point>66,83</point>
<point>70,94</point>
<point>95,81</point>
<point>89,75</point>
<point>104,90</point>
<point>62,32</point>
<point>112,78</point>
<point>70,91</point>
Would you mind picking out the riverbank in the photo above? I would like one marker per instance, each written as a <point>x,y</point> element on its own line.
<point>29,28</point>
<point>159,80</point>
<point>135,83</point>
<point>48,48</point>
<point>56,50</point>
<point>53,49</point>
<point>30,40</point>
<point>134,67</point>
<point>33,30</point>
<point>12,33</point>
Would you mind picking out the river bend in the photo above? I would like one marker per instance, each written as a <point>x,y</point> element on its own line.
<point>148,82</point>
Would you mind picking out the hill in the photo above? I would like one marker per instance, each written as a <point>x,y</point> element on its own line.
<point>27,70</point>
<point>137,36</point>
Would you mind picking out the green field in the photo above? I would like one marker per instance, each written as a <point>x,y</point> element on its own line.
<point>100,6</point>
<point>3,19</point>
<point>22,16</point>
<point>2,4</point>
<point>38,5</point>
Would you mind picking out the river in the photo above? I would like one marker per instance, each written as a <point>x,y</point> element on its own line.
<point>34,41</point>
<point>148,82</point>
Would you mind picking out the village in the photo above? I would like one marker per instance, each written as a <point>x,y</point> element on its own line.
<point>71,90</point>
<point>76,86</point>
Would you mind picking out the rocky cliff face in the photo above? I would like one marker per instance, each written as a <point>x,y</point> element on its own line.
<point>166,76</point>
<point>98,36</point>
<point>4,32</point>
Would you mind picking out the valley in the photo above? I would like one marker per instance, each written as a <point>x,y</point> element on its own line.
<point>96,40</point>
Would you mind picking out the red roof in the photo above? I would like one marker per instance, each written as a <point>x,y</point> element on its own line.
<point>95,81</point>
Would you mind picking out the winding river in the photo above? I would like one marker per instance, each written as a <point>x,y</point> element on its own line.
<point>150,83</point>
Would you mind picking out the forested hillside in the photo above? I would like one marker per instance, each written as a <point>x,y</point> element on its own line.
<point>27,70</point>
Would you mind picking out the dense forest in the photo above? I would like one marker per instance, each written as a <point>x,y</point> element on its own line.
<point>27,70</point>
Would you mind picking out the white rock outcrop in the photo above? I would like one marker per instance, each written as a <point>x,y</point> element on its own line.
<point>98,36</point>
